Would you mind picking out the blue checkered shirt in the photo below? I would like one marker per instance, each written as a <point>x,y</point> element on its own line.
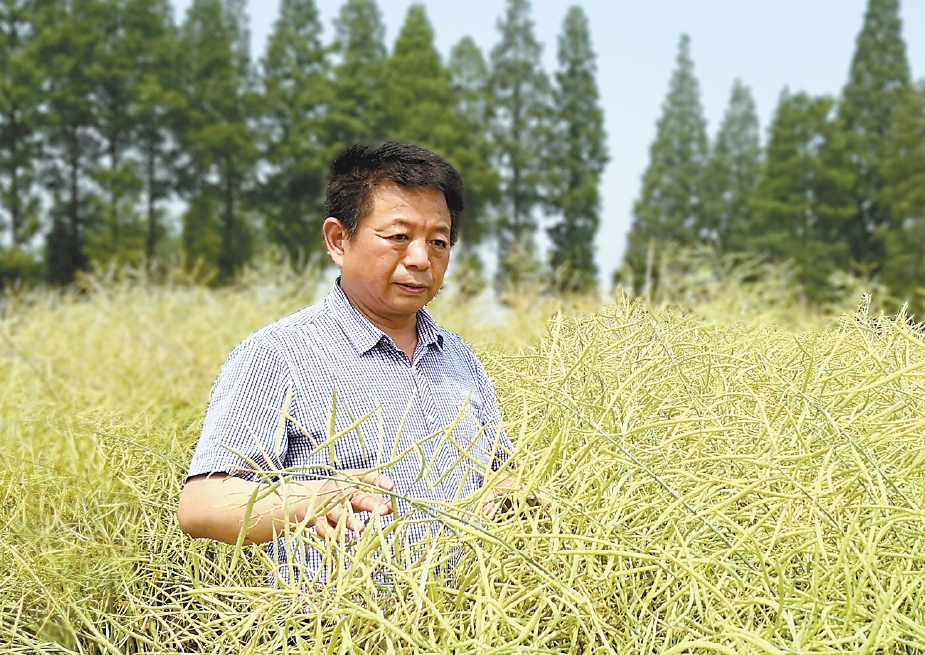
<point>343,376</point>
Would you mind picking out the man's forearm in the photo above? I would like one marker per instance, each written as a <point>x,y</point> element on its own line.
<point>214,507</point>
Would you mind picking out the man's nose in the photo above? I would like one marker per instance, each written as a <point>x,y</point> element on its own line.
<point>416,255</point>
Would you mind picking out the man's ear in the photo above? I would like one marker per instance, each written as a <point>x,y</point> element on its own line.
<point>334,237</point>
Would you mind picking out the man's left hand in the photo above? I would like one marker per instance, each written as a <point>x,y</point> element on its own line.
<point>504,486</point>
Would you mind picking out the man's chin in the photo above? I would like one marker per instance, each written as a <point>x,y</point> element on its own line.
<point>411,303</point>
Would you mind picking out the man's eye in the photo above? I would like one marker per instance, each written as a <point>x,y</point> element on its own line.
<point>440,243</point>
<point>399,237</point>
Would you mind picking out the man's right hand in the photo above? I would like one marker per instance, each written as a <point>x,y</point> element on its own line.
<point>214,506</point>
<point>344,496</point>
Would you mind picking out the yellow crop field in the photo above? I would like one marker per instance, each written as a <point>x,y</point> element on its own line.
<point>722,482</point>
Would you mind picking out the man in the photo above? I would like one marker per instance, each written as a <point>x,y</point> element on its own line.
<point>359,406</point>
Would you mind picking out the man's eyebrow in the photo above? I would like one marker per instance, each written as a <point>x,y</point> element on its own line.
<point>401,222</point>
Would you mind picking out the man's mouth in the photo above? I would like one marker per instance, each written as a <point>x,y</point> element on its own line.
<point>412,288</point>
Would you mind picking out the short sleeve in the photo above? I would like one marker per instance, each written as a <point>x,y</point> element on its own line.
<point>241,433</point>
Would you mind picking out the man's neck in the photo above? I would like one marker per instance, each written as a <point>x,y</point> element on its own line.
<point>402,330</point>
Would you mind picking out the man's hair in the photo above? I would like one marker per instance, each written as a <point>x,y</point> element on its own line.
<point>356,171</point>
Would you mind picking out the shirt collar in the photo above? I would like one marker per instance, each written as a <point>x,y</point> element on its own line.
<point>363,335</point>
<point>428,330</point>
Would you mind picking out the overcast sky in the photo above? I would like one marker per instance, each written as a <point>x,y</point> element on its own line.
<point>769,44</point>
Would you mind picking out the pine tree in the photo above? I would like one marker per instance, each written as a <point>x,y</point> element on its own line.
<point>116,234</point>
<point>670,205</point>
<point>67,46</point>
<point>134,81</point>
<point>803,200</point>
<point>422,107</point>
<point>20,101</point>
<point>732,173</point>
<point>904,196</point>
<point>356,114</point>
<point>157,112</point>
<point>520,89</point>
<point>578,157</point>
<point>418,99</point>
<point>878,79</point>
<point>217,137</point>
<point>297,91</point>
<point>470,81</point>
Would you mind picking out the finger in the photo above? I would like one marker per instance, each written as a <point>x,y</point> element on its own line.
<point>332,531</point>
<point>377,479</point>
<point>362,480</point>
<point>323,528</point>
<point>351,521</point>
<point>336,529</point>
<point>489,506</point>
<point>341,511</point>
<point>363,501</point>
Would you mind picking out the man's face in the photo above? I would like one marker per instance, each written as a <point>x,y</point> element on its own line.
<point>395,263</point>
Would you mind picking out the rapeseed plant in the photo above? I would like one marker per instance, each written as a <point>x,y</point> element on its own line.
<point>720,484</point>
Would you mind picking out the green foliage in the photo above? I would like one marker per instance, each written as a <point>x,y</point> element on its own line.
<point>72,147</point>
<point>467,274</point>
<point>158,105</point>
<point>877,81</point>
<point>520,128</point>
<point>903,194</point>
<point>117,130</point>
<point>803,201</point>
<point>217,135</point>
<point>732,174</point>
<point>297,88</point>
<point>577,156</point>
<point>20,138</point>
<point>19,267</point>
<point>136,99</point>
<point>669,208</point>
<point>470,78</point>
<point>357,112</point>
<point>422,107</point>
<point>118,230</point>
<point>419,99</point>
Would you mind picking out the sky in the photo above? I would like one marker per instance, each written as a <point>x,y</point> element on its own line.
<point>805,45</point>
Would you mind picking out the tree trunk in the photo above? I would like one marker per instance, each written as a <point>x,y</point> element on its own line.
<point>15,201</point>
<point>151,209</point>
<point>226,261</point>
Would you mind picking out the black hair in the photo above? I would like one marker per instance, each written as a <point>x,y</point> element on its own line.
<point>356,171</point>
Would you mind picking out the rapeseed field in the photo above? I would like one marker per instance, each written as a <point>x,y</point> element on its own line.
<point>730,473</point>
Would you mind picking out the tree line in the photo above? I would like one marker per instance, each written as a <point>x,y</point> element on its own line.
<point>839,186</point>
<point>128,137</point>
